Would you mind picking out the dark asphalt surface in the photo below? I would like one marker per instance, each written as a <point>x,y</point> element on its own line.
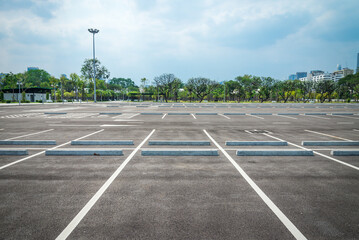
<point>178,197</point>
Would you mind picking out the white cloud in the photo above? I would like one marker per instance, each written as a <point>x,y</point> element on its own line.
<point>218,39</point>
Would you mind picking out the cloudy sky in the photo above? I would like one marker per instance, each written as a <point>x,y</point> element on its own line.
<point>218,39</point>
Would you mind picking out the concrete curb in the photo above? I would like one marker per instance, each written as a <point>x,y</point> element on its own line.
<point>180,143</point>
<point>179,152</point>
<point>151,113</point>
<point>206,113</point>
<point>102,142</point>
<point>234,114</point>
<point>287,113</point>
<point>261,114</point>
<point>345,152</point>
<point>256,143</point>
<point>179,114</point>
<point>84,152</point>
<point>342,114</point>
<point>55,112</point>
<point>27,142</point>
<point>274,152</point>
<point>110,113</point>
<point>17,152</point>
<point>330,143</point>
<point>315,114</point>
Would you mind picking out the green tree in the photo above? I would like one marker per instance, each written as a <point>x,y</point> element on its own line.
<point>201,87</point>
<point>165,84</point>
<point>325,88</point>
<point>75,81</point>
<point>87,70</point>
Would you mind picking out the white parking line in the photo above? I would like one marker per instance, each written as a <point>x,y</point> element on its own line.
<point>356,130</point>
<point>28,134</point>
<point>72,225</point>
<point>193,116</point>
<point>285,116</point>
<point>164,116</point>
<point>324,134</point>
<point>39,153</point>
<point>345,117</point>
<point>87,115</point>
<point>223,115</point>
<point>316,117</point>
<point>318,153</point>
<point>134,115</point>
<point>254,116</point>
<point>287,223</point>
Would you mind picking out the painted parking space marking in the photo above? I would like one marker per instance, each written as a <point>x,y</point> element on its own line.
<point>39,153</point>
<point>287,223</point>
<point>285,116</point>
<point>29,134</point>
<point>345,122</point>
<point>345,117</point>
<point>164,116</point>
<point>254,116</point>
<point>315,152</point>
<point>224,116</point>
<point>328,135</point>
<point>193,116</point>
<point>316,117</point>
<point>72,225</point>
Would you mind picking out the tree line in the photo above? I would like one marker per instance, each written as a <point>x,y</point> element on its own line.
<point>168,87</point>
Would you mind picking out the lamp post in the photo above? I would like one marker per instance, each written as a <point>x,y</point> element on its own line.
<point>94,31</point>
<point>18,96</point>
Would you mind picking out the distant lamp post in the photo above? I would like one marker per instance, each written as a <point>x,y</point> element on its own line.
<point>18,96</point>
<point>94,31</point>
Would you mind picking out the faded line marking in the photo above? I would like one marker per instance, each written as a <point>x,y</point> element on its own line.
<point>29,134</point>
<point>328,135</point>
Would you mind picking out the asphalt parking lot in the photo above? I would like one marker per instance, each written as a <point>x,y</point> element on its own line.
<point>171,196</point>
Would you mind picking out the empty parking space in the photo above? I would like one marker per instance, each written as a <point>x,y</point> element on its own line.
<point>180,171</point>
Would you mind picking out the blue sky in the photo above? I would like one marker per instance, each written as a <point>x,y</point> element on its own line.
<point>218,39</point>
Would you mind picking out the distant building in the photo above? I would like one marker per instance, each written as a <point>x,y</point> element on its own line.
<point>32,68</point>
<point>31,94</point>
<point>301,75</point>
<point>292,77</point>
<point>342,73</point>
<point>64,75</point>
<point>339,67</point>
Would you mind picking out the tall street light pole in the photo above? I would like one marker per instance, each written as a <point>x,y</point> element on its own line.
<point>94,31</point>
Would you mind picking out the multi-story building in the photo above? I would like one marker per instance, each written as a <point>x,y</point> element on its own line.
<point>292,77</point>
<point>32,68</point>
<point>301,75</point>
<point>298,75</point>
